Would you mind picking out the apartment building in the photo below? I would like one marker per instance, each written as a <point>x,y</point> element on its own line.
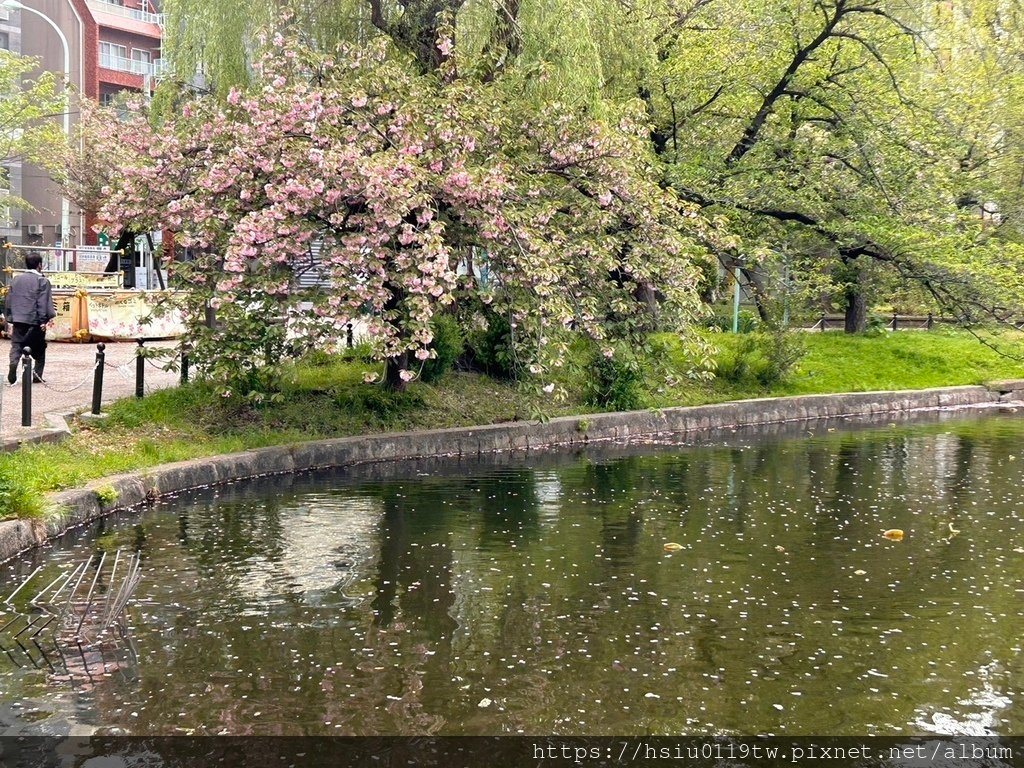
<point>112,46</point>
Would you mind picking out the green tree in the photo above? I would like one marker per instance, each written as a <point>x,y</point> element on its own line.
<point>840,130</point>
<point>30,130</point>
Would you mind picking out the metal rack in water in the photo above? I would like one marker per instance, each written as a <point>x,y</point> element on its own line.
<point>74,626</point>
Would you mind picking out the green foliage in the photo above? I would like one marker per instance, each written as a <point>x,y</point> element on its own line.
<point>106,495</point>
<point>361,350</point>
<point>27,130</point>
<point>748,322</point>
<point>17,497</point>
<point>491,349</point>
<point>616,382</point>
<point>317,358</point>
<point>447,346</point>
<point>758,359</point>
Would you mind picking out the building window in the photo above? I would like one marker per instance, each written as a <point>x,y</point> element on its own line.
<point>5,41</point>
<point>113,56</point>
<point>141,61</point>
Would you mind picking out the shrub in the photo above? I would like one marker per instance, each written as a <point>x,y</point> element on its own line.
<point>447,347</point>
<point>617,382</point>
<point>491,350</point>
<point>748,322</point>
<point>758,359</point>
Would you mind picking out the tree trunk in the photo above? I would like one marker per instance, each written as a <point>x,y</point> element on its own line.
<point>856,309</point>
<point>394,366</point>
<point>646,295</point>
<point>856,320</point>
<point>759,293</point>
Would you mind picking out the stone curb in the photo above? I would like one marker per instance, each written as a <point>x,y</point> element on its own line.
<point>100,497</point>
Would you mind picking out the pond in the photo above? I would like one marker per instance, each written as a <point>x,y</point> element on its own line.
<point>535,595</point>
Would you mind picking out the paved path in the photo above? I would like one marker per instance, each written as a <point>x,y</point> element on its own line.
<point>69,378</point>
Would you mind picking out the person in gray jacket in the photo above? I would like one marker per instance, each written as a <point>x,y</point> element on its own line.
<point>29,307</point>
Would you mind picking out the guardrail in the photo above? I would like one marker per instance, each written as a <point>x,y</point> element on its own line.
<point>139,357</point>
<point>129,13</point>
<point>135,66</point>
<point>894,323</point>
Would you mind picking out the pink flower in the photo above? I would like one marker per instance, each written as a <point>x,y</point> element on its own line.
<point>406,375</point>
<point>445,46</point>
<point>359,100</point>
<point>233,96</point>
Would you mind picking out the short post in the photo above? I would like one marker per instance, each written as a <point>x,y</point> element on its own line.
<point>822,322</point>
<point>736,301</point>
<point>184,364</point>
<point>348,335</point>
<point>26,387</point>
<point>97,379</point>
<point>930,322</point>
<point>140,370</point>
<point>894,326</point>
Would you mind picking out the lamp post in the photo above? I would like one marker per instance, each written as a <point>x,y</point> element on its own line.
<point>65,206</point>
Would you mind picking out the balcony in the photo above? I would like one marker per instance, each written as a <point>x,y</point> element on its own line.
<point>134,66</point>
<point>116,9</point>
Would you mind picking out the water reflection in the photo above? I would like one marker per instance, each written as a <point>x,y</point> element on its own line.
<point>536,597</point>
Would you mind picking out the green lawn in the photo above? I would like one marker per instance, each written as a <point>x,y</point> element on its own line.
<point>329,400</point>
<point>836,362</point>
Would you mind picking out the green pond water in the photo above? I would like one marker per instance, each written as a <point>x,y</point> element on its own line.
<point>535,595</point>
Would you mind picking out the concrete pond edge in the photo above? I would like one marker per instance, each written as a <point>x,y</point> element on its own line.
<point>100,497</point>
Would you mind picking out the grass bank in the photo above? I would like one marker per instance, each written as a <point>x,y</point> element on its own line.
<point>328,400</point>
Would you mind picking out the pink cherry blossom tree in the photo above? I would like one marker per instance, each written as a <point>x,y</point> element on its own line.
<point>394,175</point>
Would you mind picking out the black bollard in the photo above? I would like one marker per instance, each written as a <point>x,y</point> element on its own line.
<point>348,335</point>
<point>26,387</point>
<point>184,365</point>
<point>894,321</point>
<point>140,371</point>
<point>930,321</point>
<point>97,379</point>
<point>822,321</point>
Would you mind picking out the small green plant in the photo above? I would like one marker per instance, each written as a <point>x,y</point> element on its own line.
<point>361,350</point>
<point>17,499</point>
<point>582,426</point>
<point>317,358</point>
<point>106,495</point>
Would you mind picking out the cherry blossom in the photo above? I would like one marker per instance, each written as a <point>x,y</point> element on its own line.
<point>392,177</point>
